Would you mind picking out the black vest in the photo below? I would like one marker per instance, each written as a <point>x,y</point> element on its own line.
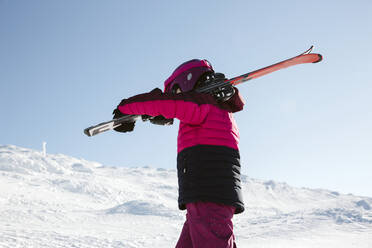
<point>209,173</point>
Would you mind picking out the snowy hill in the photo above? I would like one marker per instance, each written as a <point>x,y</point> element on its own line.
<point>60,201</point>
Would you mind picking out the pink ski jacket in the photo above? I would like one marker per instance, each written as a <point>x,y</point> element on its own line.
<point>202,120</point>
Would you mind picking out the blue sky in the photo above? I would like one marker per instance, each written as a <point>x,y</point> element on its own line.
<point>65,65</point>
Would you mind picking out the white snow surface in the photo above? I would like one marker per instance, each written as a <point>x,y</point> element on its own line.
<point>61,201</point>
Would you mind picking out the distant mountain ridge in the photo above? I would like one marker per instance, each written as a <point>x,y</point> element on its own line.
<point>82,202</point>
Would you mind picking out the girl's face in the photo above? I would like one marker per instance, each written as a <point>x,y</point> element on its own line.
<point>178,91</point>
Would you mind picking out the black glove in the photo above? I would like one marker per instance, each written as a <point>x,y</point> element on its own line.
<point>234,104</point>
<point>157,120</point>
<point>124,127</point>
<point>222,94</point>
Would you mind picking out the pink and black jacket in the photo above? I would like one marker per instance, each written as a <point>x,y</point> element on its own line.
<point>208,161</point>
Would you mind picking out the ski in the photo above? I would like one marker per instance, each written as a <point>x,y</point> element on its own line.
<point>303,58</point>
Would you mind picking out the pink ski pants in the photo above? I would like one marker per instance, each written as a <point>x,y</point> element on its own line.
<point>207,225</point>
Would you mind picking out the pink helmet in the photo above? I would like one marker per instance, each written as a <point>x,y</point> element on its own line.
<point>187,74</point>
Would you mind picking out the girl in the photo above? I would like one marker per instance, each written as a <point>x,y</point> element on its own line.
<point>208,161</point>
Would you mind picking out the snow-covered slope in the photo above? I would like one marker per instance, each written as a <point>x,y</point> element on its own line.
<point>60,201</point>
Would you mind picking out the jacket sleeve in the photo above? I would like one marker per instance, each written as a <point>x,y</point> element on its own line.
<point>188,107</point>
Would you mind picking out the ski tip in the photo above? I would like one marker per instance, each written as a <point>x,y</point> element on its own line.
<point>308,50</point>
<point>320,58</point>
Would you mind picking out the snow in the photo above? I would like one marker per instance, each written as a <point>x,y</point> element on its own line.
<point>60,201</point>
